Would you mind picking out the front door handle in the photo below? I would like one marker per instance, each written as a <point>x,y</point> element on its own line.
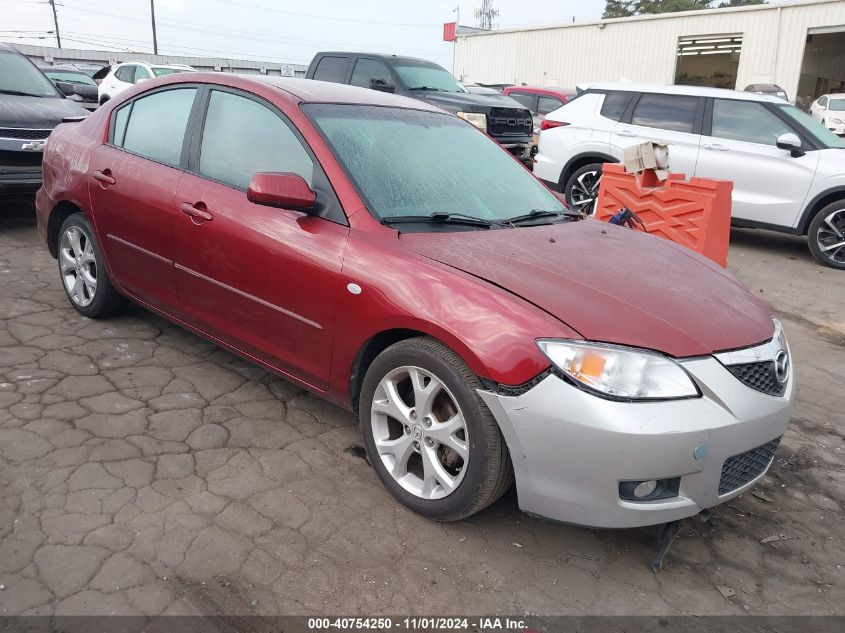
<point>104,177</point>
<point>196,211</point>
<point>626,133</point>
<point>715,147</point>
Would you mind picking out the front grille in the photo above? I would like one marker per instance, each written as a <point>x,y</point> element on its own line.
<point>19,159</point>
<point>760,376</point>
<point>25,134</point>
<point>510,122</point>
<point>745,467</point>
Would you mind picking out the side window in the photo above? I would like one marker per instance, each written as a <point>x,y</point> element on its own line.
<point>141,73</point>
<point>331,69</point>
<point>525,99</point>
<point>746,121</point>
<point>156,126</point>
<point>823,102</point>
<point>666,112</point>
<point>366,69</point>
<point>118,131</point>
<point>615,103</point>
<point>126,73</point>
<point>243,137</point>
<point>548,104</point>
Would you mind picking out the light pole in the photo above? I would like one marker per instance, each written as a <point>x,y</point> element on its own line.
<point>153,17</point>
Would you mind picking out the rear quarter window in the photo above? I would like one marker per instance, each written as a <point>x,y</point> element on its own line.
<point>331,68</point>
<point>615,103</point>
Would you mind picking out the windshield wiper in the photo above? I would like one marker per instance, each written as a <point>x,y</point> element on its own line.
<point>538,214</point>
<point>428,88</point>
<point>441,218</point>
<point>18,93</point>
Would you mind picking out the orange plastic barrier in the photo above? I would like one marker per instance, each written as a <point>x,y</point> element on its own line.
<point>694,213</point>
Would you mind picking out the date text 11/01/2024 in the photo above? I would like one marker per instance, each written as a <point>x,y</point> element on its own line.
<point>419,624</point>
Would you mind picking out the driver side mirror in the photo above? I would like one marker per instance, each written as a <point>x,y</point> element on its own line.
<point>66,88</point>
<point>381,85</point>
<point>281,189</point>
<point>791,143</point>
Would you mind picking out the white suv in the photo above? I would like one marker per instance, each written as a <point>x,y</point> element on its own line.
<point>788,170</point>
<point>125,75</point>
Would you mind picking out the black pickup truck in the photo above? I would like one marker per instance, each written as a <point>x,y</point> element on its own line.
<point>503,118</point>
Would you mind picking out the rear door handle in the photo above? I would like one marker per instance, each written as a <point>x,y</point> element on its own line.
<point>715,147</point>
<point>196,211</point>
<point>104,177</point>
<point>627,133</point>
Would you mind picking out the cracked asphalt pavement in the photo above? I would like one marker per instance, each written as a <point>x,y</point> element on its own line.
<point>144,470</point>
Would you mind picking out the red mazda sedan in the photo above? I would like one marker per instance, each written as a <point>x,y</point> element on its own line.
<point>391,257</point>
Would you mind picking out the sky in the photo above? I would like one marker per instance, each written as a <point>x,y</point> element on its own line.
<point>270,30</point>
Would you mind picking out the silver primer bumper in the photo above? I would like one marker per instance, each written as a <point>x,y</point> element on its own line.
<point>570,449</point>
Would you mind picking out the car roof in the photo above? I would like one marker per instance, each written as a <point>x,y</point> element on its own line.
<point>141,61</point>
<point>695,91</point>
<point>61,67</point>
<point>9,48</point>
<point>566,92</point>
<point>835,95</point>
<point>382,56</point>
<point>306,90</point>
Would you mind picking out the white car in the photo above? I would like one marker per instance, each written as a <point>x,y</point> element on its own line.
<point>829,110</point>
<point>127,74</point>
<point>788,170</point>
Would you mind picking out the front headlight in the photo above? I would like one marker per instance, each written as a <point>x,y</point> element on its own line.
<point>834,120</point>
<point>478,119</point>
<point>620,372</point>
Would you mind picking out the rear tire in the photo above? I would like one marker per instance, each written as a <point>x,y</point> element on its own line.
<point>826,235</point>
<point>582,188</point>
<point>431,440</point>
<point>82,270</point>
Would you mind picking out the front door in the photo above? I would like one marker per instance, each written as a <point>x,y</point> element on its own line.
<point>672,120</point>
<point>263,279</point>
<point>132,183</point>
<point>769,184</point>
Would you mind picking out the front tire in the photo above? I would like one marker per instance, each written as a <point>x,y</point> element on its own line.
<point>432,441</point>
<point>582,188</point>
<point>82,270</point>
<point>826,235</point>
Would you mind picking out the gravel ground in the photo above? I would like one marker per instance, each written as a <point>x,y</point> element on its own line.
<point>143,470</point>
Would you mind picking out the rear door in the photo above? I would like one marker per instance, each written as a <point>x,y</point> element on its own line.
<point>673,120</point>
<point>738,144</point>
<point>262,278</point>
<point>132,183</point>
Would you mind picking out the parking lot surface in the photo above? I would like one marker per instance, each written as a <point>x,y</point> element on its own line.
<point>145,470</point>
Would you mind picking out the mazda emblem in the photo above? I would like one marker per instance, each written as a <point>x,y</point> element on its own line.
<point>782,366</point>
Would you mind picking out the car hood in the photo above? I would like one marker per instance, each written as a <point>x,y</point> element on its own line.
<point>610,284</point>
<point>36,112</point>
<point>454,101</point>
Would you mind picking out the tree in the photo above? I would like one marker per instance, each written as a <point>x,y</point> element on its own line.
<point>626,8</point>
<point>619,9</point>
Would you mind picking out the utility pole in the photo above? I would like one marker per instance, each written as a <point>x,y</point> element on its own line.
<point>153,16</point>
<point>56,23</point>
<point>485,15</point>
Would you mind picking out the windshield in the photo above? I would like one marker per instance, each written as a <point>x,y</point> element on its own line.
<point>159,72</point>
<point>837,105</point>
<point>70,76</point>
<point>418,75</point>
<point>413,163</point>
<point>828,138</point>
<point>18,75</point>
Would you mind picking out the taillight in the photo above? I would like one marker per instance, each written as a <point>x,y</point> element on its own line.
<point>548,125</point>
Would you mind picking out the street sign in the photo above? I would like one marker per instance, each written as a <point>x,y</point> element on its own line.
<point>287,70</point>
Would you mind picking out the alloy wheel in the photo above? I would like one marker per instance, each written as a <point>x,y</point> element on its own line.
<point>78,265</point>
<point>830,237</point>
<point>420,433</point>
<point>584,191</point>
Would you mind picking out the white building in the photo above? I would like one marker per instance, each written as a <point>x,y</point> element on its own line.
<point>799,46</point>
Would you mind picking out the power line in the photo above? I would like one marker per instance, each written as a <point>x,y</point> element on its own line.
<point>321,17</point>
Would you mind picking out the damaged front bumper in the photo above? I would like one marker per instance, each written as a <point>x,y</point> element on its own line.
<point>571,450</point>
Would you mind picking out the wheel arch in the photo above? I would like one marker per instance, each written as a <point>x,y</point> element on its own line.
<point>817,204</point>
<point>577,162</point>
<point>58,215</point>
<point>383,339</point>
